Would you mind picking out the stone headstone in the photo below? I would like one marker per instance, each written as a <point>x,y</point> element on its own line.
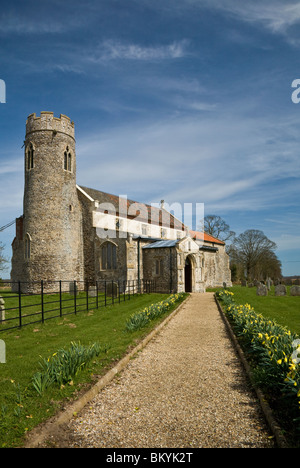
<point>2,352</point>
<point>92,291</point>
<point>244,283</point>
<point>280,290</point>
<point>72,288</point>
<point>112,289</point>
<point>295,291</point>
<point>261,290</point>
<point>269,283</point>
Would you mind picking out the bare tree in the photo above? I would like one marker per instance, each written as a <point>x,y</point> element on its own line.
<point>269,267</point>
<point>3,260</point>
<point>217,227</point>
<point>255,253</point>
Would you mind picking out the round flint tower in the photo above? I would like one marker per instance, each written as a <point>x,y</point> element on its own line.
<point>52,226</point>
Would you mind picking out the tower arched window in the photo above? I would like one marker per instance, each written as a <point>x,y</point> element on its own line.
<point>27,246</point>
<point>67,160</point>
<point>109,256</point>
<point>29,157</point>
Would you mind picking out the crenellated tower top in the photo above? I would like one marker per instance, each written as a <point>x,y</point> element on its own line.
<point>47,121</point>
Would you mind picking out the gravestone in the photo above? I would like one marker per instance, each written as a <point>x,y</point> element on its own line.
<point>244,283</point>
<point>2,310</point>
<point>269,283</point>
<point>112,289</point>
<point>280,290</point>
<point>295,291</point>
<point>261,290</point>
<point>72,288</point>
<point>92,291</point>
<point>2,352</point>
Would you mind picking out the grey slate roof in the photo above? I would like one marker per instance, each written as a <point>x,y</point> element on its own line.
<point>161,244</point>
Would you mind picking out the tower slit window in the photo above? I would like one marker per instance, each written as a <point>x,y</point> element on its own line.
<point>30,156</point>
<point>27,251</point>
<point>67,160</point>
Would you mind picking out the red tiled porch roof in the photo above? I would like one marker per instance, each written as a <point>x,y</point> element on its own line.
<point>205,237</point>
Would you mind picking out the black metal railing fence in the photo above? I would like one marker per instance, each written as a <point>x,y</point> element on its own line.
<point>24,303</point>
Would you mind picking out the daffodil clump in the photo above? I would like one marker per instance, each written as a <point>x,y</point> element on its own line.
<point>274,351</point>
<point>141,318</point>
<point>64,365</point>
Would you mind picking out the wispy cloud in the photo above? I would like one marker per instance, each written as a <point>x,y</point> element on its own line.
<point>115,50</point>
<point>276,16</point>
<point>20,24</point>
<point>205,159</point>
<point>79,59</point>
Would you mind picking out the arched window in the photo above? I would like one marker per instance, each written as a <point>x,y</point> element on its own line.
<point>27,246</point>
<point>29,157</point>
<point>67,160</point>
<point>109,256</point>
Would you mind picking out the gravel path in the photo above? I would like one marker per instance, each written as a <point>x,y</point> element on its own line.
<point>186,388</point>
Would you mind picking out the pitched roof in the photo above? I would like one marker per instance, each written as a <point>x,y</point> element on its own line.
<point>205,237</point>
<point>145,213</point>
<point>132,209</point>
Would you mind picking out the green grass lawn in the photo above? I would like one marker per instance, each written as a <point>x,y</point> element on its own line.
<point>285,310</point>
<point>21,408</point>
<point>35,308</point>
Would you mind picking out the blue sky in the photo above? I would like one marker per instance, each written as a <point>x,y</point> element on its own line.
<point>183,100</point>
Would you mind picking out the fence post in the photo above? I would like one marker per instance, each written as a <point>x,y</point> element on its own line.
<point>60,300</point>
<point>42,299</point>
<point>75,294</point>
<point>20,304</point>
<point>87,295</point>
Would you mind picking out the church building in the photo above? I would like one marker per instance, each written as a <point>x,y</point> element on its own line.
<point>73,233</point>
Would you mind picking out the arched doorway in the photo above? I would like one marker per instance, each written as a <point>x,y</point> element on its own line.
<point>188,275</point>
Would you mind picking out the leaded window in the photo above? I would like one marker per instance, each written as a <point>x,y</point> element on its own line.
<point>109,256</point>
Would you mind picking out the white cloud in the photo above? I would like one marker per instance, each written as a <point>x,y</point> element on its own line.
<point>15,23</point>
<point>11,164</point>
<point>115,50</point>
<point>218,159</point>
<point>276,16</point>
<point>287,241</point>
